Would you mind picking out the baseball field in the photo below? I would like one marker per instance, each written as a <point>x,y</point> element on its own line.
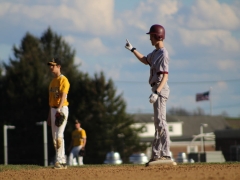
<point>223,171</point>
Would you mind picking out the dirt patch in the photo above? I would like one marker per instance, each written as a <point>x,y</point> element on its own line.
<point>130,172</point>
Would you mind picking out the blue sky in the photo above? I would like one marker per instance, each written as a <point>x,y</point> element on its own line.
<point>202,37</point>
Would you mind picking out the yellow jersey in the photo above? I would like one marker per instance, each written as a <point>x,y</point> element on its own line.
<point>77,137</point>
<point>57,86</point>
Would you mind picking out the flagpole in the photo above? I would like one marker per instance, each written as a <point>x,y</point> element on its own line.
<point>210,100</point>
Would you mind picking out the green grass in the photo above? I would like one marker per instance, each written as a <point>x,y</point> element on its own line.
<point>32,167</point>
<point>18,167</point>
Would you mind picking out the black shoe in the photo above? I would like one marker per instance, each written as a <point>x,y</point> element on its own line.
<point>151,160</point>
<point>147,164</point>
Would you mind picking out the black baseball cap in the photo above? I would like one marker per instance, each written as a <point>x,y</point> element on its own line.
<point>55,61</point>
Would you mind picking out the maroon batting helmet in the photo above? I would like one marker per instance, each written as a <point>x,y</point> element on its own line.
<point>158,31</point>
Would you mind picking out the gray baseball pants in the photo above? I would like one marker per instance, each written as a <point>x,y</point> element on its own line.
<point>161,142</point>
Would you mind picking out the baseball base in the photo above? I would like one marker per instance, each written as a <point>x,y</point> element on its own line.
<point>162,162</point>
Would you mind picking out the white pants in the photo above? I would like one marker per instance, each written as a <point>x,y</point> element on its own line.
<point>74,154</point>
<point>161,142</point>
<point>58,135</point>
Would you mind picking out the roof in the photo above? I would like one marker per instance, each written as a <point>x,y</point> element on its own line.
<point>227,133</point>
<point>146,118</point>
<point>190,124</point>
<point>234,122</point>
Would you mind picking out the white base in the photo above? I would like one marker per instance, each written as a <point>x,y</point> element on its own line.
<point>162,162</point>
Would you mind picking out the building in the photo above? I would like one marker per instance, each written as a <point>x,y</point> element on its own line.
<point>188,134</point>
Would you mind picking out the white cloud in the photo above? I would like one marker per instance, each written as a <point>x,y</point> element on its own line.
<point>180,64</point>
<point>227,65</point>
<point>219,40</point>
<point>4,7</point>
<point>112,72</point>
<point>91,16</point>
<point>74,15</point>
<point>93,46</point>
<point>78,61</point>
<point>70,39</point>
<point>169,7</point>
<point>170,48</point>
<point>151,11</point>
<point>221,86</point>
<point>212,14</point>
<point>133,60</point>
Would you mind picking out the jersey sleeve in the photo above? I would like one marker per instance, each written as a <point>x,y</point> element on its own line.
<point>149,58</point>
<point>65,85</point>
<point>84,134</point>
<point>162,65</point>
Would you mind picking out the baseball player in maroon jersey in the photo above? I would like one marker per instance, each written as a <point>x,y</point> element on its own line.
<point>158,60</point>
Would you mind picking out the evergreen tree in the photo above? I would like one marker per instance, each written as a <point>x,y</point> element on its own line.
<point>103,115</point>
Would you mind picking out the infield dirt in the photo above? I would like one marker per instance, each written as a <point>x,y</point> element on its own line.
<point>129,172</point>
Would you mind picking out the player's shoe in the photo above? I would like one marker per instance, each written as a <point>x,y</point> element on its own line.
<point>158,159</point>
<point>164,158</point>
<point>60,165</point>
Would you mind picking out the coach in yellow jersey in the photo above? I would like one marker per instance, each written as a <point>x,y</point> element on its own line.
<point>58,90</point>
<point>79,139</point>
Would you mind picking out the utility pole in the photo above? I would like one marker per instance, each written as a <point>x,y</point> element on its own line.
<point>5,144</point>
<point>202,136</point>
<point>45,143</point>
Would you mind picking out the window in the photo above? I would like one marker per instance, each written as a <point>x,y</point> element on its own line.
<point>170,128</point>
<point>145,129</point>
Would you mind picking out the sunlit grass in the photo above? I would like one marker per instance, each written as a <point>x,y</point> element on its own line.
<point>18,167</point>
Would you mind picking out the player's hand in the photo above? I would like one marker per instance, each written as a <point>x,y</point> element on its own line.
<point>128,45</point>
<point>153,97</point>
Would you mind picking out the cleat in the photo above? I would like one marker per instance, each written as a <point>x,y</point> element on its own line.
<point>164,158</point>
<point>147,164</point>
<point>60,165</point>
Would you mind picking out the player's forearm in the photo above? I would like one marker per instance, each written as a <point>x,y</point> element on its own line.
<point>163,82</point>
<point>63,98</point>
<point>84,142</point>
<point>140,57</point>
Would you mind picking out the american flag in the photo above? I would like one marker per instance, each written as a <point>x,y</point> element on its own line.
<point>202,96</point>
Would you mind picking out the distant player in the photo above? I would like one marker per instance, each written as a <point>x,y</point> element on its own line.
<point>58,90</point>
<point>158,60</point>
<point>79,139</point>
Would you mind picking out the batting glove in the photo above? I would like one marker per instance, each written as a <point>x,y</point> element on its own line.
<point>129,46</point>
<point>153,97</point>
